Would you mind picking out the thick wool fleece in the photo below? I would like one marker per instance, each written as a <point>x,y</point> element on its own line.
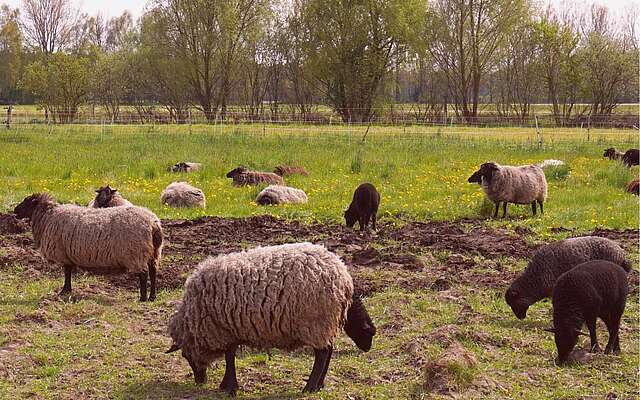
<point>117,238</point>
<point>181,194</point>
<point>286,170</point>
<point>253,178</point>
<point>277,194</point>
<point>519,185</point>
<point>552,260</point>
<point>284,296</point>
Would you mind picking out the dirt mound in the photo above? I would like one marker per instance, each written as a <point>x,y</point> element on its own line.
<point>10,225</point>
<point>451,370</point>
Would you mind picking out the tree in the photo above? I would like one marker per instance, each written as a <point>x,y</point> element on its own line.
<point>49,24</point>
<point>10,52</point>
<point>60,84</point>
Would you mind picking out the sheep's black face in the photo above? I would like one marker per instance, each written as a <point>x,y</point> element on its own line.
<point>518,305</point>
<point>566,340</point>
<point>359,326</point>
<point>608,152</point>
<point>179,167</point>
<point>26,208</point>
<point>236,172</point>
<point>104,195</point>
<point>486,172</point>
<point>350,217</point>
<point>199,370</point>
<point>475,178</point>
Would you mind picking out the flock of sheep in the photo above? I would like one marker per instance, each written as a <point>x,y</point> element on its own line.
<point>301,294</point>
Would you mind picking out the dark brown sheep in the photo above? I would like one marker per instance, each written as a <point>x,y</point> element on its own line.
<point>634,187</point>
<point>631,157</point>
<point>363,207</point>
<point>287,170</point>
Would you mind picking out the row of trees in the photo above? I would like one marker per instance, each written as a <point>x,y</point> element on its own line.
<point>289,56</point>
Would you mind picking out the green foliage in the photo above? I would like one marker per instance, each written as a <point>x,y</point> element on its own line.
<point>557,172</point>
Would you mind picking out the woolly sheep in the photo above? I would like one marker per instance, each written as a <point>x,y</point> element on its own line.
<point>520,185</point>
<point>181,194</point>
<point>613,154</point>
<point>595,289</point>
<point>550,163</point>
<point>285,296</point>
<point>554,259</point>
<point>185,167</point>
<point>631,157</point>
<point>634,187</point>
<point>242,176</point>
<point>116,239</point>
<point>286,170</point>
<point>276,194</point>
<point>108,197</point>
<point>364,206</point>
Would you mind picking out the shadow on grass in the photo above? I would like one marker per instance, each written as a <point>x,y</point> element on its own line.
<point>181,390</point>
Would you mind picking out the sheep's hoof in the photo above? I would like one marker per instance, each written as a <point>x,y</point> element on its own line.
<point>311,388</point>
<point>229,389</point>
<point>65,292</point>
<point>152,297</point>
<point>143,298</point>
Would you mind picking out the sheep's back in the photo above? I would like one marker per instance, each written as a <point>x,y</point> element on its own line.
<point>520,185</point>
<point>103,238</point>
<point>281,296</point>
<point>282,194</point>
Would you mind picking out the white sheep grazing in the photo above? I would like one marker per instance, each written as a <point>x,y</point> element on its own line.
<point>520,185</point>
<point>115,239</point>
<point>285,296</point>
<point>181,194</point>
<point>277,194</point>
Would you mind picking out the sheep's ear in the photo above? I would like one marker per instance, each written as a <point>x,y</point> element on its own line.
<point>113,191</point>
<point>552,330</point>
<point>174,347</point>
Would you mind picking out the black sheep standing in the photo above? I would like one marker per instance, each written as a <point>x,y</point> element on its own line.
<point>595,289</point>
<point>363,207</point>
<point>631,157</point>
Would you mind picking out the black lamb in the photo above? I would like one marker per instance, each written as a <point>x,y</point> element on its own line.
<point>631,157</point>
<point>554,259</point>
<point>363,207</point>
<point>595,289</point>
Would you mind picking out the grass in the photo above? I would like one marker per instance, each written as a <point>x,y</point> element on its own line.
<point>104,344</point>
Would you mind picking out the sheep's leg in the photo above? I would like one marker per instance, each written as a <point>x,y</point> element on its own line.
<point>152,278</point>
<point>504,209</point>
<point>66,289</point>
<point>591,325</point>
<point>495,213</point>
<point>613,326</point>
<point>326,368</point>
<point>541,208</point>
<point>143,286</point>
<point>373,220</point>
<point>229,382</point>
<point>363,223</point>
<point>313,384</point>
<point>533,207</point>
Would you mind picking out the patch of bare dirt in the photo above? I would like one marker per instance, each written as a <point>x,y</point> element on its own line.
<point>443,374</point>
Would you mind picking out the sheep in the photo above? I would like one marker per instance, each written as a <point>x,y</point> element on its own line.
<point>520,185</point>
<point>634,187</point>
<point>286,170</point>
<point>613,154</point>
<point>551,261</point>
<point>181,194</point>
<point>242,176</point>
<point>185,167</point>
<point>276,194</point>
<point>551,163</point>
<point>108,197</point>
<point>592,290</point>
<point>364,206</point>
<point>631,157</point>
<point>116,239</point>
<point>285,296</point>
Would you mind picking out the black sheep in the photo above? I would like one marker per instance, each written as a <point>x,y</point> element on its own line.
<point>595,289</point>
<point>631,157</point>
<point>363,207</point>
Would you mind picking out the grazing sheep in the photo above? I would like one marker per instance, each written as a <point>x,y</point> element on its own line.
<point>286,170</point>
<point>364,206</point>
<point>285,296</point>
<point>520,185</point>
<point>185,167</point>
<point>181,194</point>
<point>108,197</point>
<point>276,194</point>
<point>115,239</point>
<point>631,157</point>
<point>551,163</point>
<point>592,290</point>
<point>613,154</point>
<point>554,259</point>
<point>634,187</point>
<point>242,177</point>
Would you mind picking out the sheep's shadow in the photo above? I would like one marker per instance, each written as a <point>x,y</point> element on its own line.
<point>178,390</point>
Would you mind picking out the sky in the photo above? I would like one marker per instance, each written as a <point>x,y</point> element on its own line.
<point>112,8</point>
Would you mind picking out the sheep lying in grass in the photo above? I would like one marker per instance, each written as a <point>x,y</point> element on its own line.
<point>242,177</point>
<point>116,239</point>
<point>631,157</point>
<point>613,154</point>
<point>592,290</point>
<point>554,259</point>
<point>181,194</point>
<point>287,170</point>
<point>551,163</point>
<point>277,194</point>
<point>108,197</point>
<point>520,185</point>
<point>634,187</point>
<point>285,296</point>
<point>185,167</point>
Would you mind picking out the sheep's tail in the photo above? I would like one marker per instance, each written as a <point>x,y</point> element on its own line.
<point>157,237</point>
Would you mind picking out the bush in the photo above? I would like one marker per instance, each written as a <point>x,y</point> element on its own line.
<point>557,172</point>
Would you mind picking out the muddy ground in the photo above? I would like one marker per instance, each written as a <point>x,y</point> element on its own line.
<point>412,255</point>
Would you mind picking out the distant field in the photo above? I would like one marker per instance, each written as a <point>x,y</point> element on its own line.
<point>437,274</point>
